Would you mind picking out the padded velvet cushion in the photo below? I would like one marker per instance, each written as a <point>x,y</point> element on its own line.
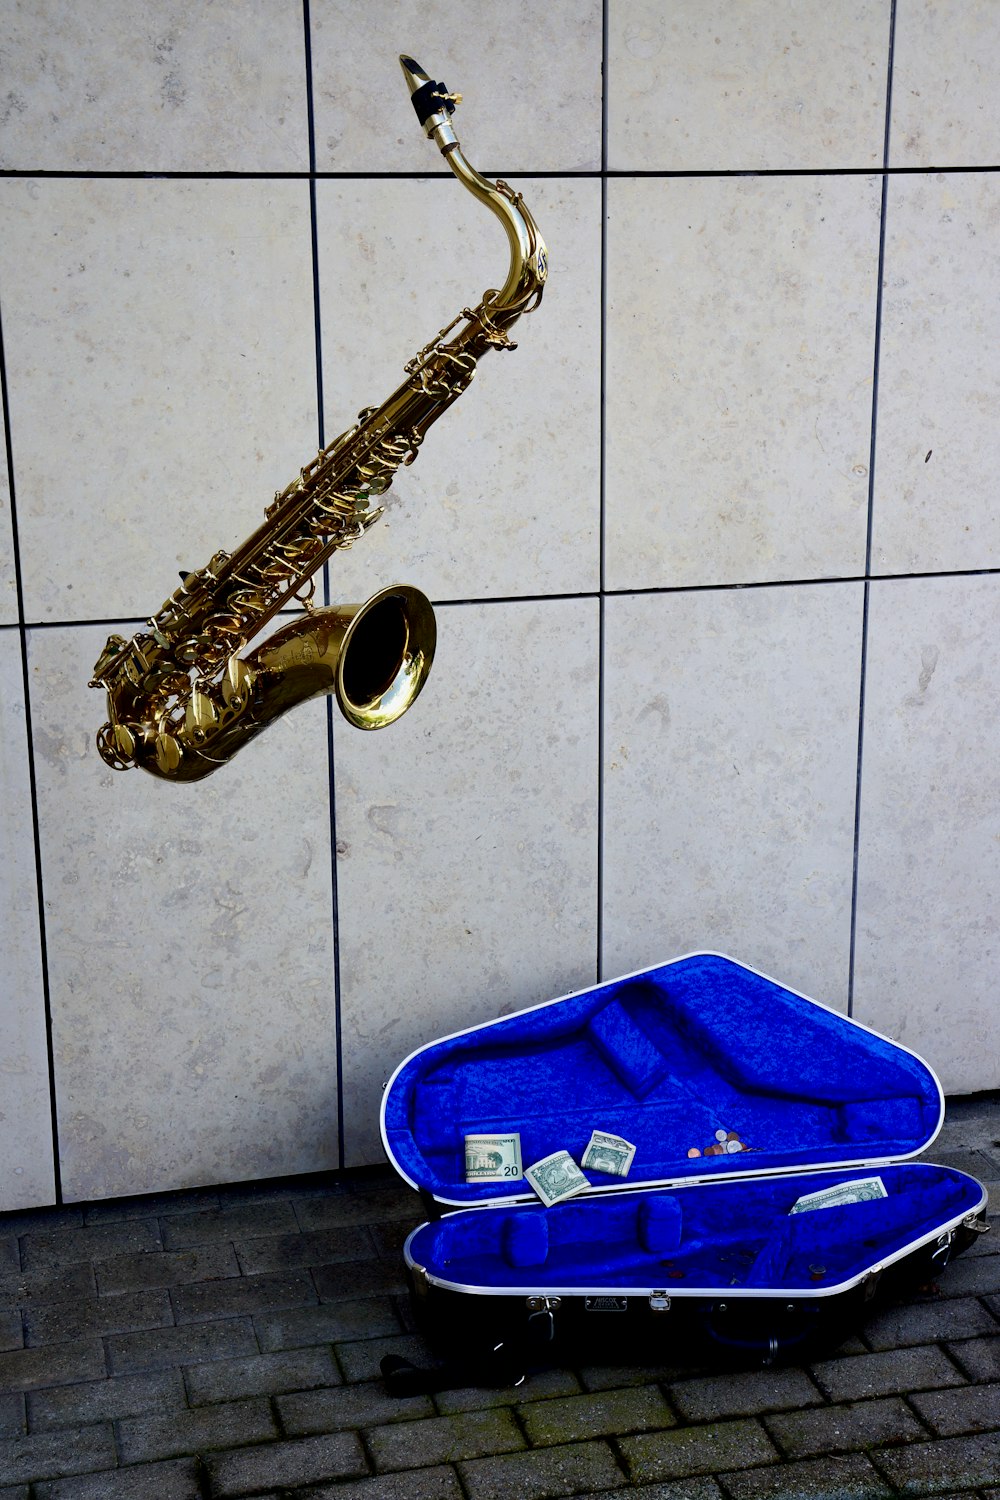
<point>626,1049</point>
<point>677,1059</point>
<point>660,1221</point>
<point>525,1239</point>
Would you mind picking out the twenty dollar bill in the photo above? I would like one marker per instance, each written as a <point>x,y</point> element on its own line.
<point>861,1190</point>
<point>556,1177</point>
<point>608,1153</point>
<point>493,1158</point>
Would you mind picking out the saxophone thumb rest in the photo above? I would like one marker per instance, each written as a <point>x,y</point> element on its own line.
<point>184,695</point>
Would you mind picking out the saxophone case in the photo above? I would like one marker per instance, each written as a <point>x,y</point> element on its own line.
<point>693,1253</point>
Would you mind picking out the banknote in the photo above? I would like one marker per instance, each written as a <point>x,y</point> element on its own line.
<point>556,1177</point>
<point>608,1153</point>
<point>493,1158</point>
<point>860,1190</point>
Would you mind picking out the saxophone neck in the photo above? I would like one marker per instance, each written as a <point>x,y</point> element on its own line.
<point>528,270</point>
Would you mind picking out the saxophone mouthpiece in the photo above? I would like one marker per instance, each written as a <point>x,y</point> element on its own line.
<point>433,104</point>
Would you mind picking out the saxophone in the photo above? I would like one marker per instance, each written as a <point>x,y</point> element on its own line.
<point>183,694</point>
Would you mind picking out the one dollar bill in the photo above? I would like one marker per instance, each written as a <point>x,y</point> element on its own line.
<point>556,1177</point>
<point>608,1153</point>
<point>861,1190</point>
<point>493,1158</point>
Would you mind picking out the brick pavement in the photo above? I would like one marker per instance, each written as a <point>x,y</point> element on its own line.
<point>226,1343</point>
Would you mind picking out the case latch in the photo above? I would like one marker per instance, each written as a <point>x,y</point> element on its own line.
<point>659,1302</point>
<point>977,1224</point>
<point>942,1253</point>
<point>870,1281</point>
<point>541,1319</point>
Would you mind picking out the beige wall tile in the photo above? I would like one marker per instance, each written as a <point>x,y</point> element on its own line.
<point>929,855</point>
<point>938,448</point>
<point>730,762</point>
<point>530,76</point>
<point>190,949</point>
<point>944,96</point>
<point>8,576</point>
<point>26,1176</point>
<point>161,364</point>
<point>144,86</point>
<point>467,842</point>
<point>504,496</point>
<point>728,84</point>
<point>740,345</point>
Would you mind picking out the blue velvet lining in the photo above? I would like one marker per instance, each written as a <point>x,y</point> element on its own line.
<point>667,1059</point>
<point>724,1234</point>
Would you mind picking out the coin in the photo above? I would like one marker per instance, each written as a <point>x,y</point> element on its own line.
<point>720,1135</point>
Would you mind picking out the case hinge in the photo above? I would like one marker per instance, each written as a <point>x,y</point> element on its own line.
<point>977,1223</point>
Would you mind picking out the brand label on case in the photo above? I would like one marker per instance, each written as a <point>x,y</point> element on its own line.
<point>606,1304</point>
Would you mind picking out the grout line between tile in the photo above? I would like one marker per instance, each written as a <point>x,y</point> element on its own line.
<point>863,673</point>
<point>43,952</point>
<point>602,483</point>
<point>83,174</point>
<point>331,763</point>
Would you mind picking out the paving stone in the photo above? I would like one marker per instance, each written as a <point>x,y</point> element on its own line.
<point>10,1255</point>
<point>325,1324</point>
<point>975,1275</point>
<point>602,1414</point>
<point>616,1377</point>
<point>365,1405</point>
<point>51,1249</point>
<point>928,1322</point>
<point>243,1221</point>
<point>697,1450</point>
<point>201,1301</point>
<point>942,1467</point>
<point>743,1394</point>
<point>58,1322</point>
<point>177,1480</point>
<point>471,1434</point>
<point>105,1400</point>
<point>838,1429</point>
<point>53,1364</point>
<point>228,1425</point>
<point>355,1208</point>
<point>50,1455</point>
<point>365,1278</point>
<point>321,1247</point>
<point>162,1348</point>
<point>303,1461</point>
<point>700,1488</point>
<point>65,1285</point>
<point>261,1375</point>
<point>423,1484</point>
<point>150,1206</point>
<point>892,1372</point>
<point>18,1492</point>
<point>13,1421</point>
<point>361,1360</point>
<point>11,1334</point>
<point>390,1237</point>
<point>24,1220</point>
<point>542,1473</point>
<point>972,1408</point>
<point>133,1273</point>
<point>538,1386</point>
<point>850,1478</point>
<point>979,1358</point>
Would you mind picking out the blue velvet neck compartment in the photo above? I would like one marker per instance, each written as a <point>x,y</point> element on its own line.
<point>669,1058</point>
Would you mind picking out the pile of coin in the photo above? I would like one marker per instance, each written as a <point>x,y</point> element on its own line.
<point>726,1143</point>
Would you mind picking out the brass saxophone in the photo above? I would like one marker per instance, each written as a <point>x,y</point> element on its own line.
<point>182,696</point>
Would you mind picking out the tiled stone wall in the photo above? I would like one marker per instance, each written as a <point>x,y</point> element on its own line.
<point>714,552</point>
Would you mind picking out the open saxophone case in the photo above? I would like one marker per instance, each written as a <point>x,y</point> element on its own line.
<point>750,1107</point>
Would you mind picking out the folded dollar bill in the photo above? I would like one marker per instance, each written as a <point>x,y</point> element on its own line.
<point>608,1153</point>
<point>493,1158</point>
<point>556,1177</point>
<point>861,1190</point>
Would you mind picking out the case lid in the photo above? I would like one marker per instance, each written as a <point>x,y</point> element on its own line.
<point>706,1066</point>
